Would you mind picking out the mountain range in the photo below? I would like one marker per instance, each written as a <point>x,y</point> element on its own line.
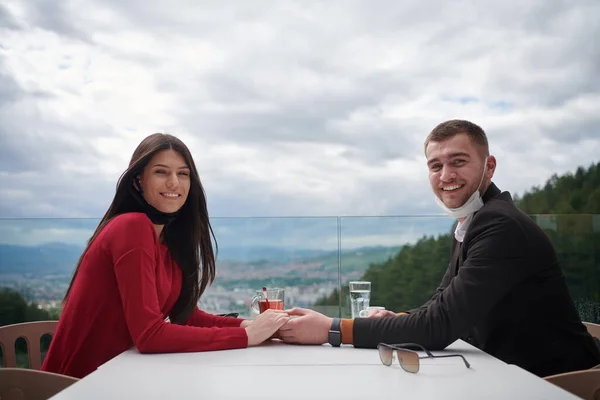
<point>61,258</point>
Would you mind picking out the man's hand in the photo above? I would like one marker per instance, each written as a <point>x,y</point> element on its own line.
<point>309,327</point>
<point>265,325</point>
<point>381,314</point>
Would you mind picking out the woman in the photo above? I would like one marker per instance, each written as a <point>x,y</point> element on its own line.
<point>144,269</point>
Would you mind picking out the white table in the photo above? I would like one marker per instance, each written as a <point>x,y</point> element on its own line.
<point>279,371</point>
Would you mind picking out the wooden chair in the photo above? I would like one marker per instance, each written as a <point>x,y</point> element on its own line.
<point>29,384</point>
<point>593,329</point>
<point>585,384</point>
<point>32,333</point>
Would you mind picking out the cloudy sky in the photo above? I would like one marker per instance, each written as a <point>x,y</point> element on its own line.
<point>290,108</point>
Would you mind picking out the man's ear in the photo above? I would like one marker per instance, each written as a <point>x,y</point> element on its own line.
<point>491,166</point>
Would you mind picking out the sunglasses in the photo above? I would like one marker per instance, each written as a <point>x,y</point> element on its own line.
<point>408,359</point>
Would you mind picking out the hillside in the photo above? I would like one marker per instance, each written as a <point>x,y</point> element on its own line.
<point>577,193</point>
<point>234,264</point>
<point>46,259</point>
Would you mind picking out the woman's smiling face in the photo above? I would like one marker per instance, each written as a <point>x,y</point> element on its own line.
<point>165,181</point>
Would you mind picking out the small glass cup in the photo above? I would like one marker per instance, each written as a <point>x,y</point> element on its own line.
<point>270,299</point>
<point>360,296</point>
<point>365,313</point>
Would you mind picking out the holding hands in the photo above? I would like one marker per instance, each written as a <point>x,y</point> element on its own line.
<point>311,327</point>
<point>265,325</point>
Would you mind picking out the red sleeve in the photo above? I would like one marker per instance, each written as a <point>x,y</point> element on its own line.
<point>132,250</point>
<point>204,319</point>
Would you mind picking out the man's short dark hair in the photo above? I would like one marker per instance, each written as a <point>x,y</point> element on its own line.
<point>449,129</point>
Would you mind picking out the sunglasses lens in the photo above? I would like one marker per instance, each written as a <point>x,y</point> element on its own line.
<point>385,355</point>
<point>409,361</point>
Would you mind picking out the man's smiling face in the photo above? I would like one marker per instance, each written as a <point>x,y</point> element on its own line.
<point>456,167</point>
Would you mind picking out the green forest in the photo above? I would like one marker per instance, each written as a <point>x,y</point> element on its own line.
<point>15,309</point>
<point>566,207</point>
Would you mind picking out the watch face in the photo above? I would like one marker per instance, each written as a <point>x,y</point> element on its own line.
<point>334,338</point>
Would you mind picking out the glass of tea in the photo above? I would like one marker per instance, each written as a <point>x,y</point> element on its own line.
<point>265,299</point>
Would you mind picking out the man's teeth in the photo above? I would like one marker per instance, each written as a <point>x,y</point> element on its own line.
<point>448,188</point>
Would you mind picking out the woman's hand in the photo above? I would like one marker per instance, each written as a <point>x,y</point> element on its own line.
<point>265,325</point>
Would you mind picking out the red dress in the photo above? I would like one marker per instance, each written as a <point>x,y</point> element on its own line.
<point>125,288</point>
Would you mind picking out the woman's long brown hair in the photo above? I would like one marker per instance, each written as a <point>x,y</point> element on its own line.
<point>188,237</point>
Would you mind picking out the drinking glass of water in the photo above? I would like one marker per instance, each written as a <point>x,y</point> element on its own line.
<point>360,295</point>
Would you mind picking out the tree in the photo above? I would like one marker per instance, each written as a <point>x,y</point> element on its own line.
<point>14,309</point>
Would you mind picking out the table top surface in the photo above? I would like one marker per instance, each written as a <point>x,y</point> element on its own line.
<point>280,371</point>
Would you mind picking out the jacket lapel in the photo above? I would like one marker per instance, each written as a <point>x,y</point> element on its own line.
<point>456,255</point>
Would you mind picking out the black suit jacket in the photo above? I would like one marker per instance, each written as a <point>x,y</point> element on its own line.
<point>504,292</point>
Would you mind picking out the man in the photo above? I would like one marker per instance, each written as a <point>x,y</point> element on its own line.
<point>504,291</point>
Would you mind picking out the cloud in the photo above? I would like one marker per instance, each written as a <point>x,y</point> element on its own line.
<point>7,21</point>
<point>290,108</point>
<point>43,14</point>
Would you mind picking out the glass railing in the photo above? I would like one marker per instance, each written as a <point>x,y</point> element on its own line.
<point>312,258</point>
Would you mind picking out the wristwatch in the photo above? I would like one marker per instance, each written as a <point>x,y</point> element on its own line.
<point>335,335</point>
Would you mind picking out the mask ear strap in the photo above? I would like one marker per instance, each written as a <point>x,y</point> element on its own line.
<point>484,171</point>
<point>137,184</point>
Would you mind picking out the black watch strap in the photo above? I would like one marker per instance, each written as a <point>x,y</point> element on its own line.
<point>335,335</point>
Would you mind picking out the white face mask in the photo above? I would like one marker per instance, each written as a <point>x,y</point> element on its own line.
<point>473,204</point>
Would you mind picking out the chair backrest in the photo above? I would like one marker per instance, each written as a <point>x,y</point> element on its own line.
<point>593,329</point>
<point>29,384</point>
<point>32,333</point>
<point>585,384</point>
